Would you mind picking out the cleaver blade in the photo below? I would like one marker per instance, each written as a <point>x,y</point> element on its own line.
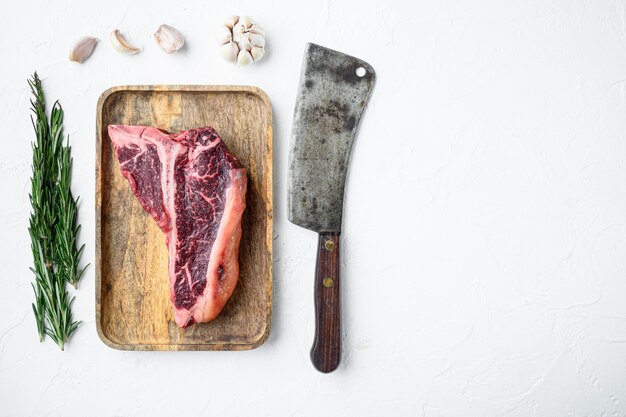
<point>330,103</point>
<point>333,92</point>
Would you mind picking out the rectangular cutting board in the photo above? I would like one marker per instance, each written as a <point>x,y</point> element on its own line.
<point>133,309</point>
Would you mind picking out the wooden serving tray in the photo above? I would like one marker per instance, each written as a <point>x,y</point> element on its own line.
<point>133,309</point>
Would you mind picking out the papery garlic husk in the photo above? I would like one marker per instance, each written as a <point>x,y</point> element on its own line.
<point>121,45</point>
<point>83,49</point>
<point>169,39</point>
<point>241,40</point>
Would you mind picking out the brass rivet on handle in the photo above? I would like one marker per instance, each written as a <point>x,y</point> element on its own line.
<point>329,245</point>
<point>328,282</point>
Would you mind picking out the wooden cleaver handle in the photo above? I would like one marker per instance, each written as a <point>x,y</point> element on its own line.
<point>326,350</point>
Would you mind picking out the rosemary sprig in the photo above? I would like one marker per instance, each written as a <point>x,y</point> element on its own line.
<point>51,293</point>
<point>53,224</point>
<point>67,229</point>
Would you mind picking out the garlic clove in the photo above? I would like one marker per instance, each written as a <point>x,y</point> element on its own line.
<point>239,32</point>
<point>169,39</point>
<point>229,51</point>
<point>244,43</point>
<point>257,40</point>
<point>223,35</point>
<point>231,21</point>
<point>121,45</point>
<point>83,49</point>
<point>257,53</point>
<point>244,58</point>
<point>257,29</point>
<point>246,21</point>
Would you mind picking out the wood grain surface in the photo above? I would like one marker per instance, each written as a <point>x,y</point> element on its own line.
<point>326,349</point>
<point>133,309</point>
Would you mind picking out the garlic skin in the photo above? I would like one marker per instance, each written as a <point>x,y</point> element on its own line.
<point>241,40</point>
<point>121,44</point>
<point>169,39</point>
<point>231,21</point>
<point>257,53</point>
<point>244,58</point>
<point>83,49</point>
<point>245,45</point>
<point>246,21</point>
<point>257,40</point>
<point>229,52</point>
<point>257,29</point>
<point>223,35</point>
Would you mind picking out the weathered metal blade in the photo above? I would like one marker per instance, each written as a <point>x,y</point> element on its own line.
<point>334,90</point>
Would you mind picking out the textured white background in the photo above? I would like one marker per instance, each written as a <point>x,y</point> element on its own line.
<point>485,228</point>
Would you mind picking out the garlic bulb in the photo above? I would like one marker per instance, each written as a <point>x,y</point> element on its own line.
<point>241,40</point>
<point>83,49</point>
<point>121,45</point>
<point>169,39</point>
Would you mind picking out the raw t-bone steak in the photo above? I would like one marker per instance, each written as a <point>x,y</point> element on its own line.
<point>195,190</point>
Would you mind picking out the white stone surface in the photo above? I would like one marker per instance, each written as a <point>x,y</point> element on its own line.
<point>485,227</point>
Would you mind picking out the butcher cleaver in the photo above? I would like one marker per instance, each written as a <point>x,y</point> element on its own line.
<point>334,90</point>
